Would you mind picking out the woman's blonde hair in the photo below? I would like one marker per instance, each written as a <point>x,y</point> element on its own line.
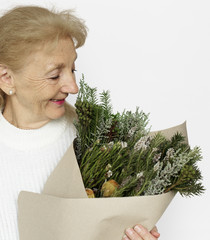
<point>25,28</point>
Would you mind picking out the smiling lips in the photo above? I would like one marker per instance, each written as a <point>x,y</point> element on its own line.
<point>58,101</point>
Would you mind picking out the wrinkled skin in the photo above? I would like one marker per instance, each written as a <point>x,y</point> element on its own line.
<point>47,75</point>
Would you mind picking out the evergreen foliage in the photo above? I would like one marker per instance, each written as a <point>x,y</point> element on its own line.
<point>118,147</point>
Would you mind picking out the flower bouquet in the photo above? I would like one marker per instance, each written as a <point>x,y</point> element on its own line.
<point>115,174</point>
<point>118,156</point>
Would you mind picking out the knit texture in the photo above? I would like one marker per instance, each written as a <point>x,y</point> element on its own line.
<point>27,158</point>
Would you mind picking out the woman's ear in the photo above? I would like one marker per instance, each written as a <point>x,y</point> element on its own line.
<point>6,79</point>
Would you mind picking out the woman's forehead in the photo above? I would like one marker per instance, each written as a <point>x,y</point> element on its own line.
<point>58,64</point>
<point>47,60</point>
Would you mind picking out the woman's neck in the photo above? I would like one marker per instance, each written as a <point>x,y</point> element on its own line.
<point>20,120</point>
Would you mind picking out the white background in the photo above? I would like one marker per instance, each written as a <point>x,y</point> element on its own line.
<point>155,55</point>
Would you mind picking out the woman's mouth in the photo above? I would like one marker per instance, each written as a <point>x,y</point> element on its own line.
<point>58,101</point>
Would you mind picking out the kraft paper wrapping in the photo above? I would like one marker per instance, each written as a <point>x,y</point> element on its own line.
<point>64,212</point>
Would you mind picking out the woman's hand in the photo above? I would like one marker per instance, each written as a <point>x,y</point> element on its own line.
<point>141,233</point>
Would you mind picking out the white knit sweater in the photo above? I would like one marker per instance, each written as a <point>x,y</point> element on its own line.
<point>27,158</point>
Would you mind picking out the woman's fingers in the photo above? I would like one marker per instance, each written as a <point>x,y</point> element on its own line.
<point>155,232</point>
<point>125,238</point>
<point>143,233</point>
<point>131,235</point>
<point>140,233</point>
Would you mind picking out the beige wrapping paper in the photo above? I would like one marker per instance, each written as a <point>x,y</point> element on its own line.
<point>63,212</point>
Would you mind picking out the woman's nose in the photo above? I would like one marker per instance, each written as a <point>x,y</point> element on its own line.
<point>69,85</point>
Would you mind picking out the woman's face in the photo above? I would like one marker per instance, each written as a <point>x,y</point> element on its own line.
<point>47,76</point>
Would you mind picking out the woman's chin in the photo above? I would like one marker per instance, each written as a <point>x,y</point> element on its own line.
<point>56,113</point>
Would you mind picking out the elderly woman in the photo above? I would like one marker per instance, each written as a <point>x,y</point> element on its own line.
<point>37,73</point>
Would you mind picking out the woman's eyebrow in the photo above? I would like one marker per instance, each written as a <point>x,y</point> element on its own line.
<point>57,66</point>
<point>54,67</point>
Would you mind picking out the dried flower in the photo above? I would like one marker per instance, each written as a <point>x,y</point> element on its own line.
<point>164,174</point>
<point>125,181</point>
<point>110,144</point>
<point>103,148</point>
<point>157,157</point>
<point>142,143</point>
<point>156,166</point>
<point>108,166</point>
<point>154,149</point>
<point>109,173</point>
<point>139,185</point>
<point>140,174</point>
<point>123,144</point>
<point>90,193</point>
<point>109,187</point>
<point>132,131</point>
<point>169,154</point>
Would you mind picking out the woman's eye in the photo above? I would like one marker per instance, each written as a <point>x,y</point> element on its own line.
<point>56,77</point>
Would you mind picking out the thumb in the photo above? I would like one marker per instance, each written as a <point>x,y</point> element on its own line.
<point>155,232</point>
